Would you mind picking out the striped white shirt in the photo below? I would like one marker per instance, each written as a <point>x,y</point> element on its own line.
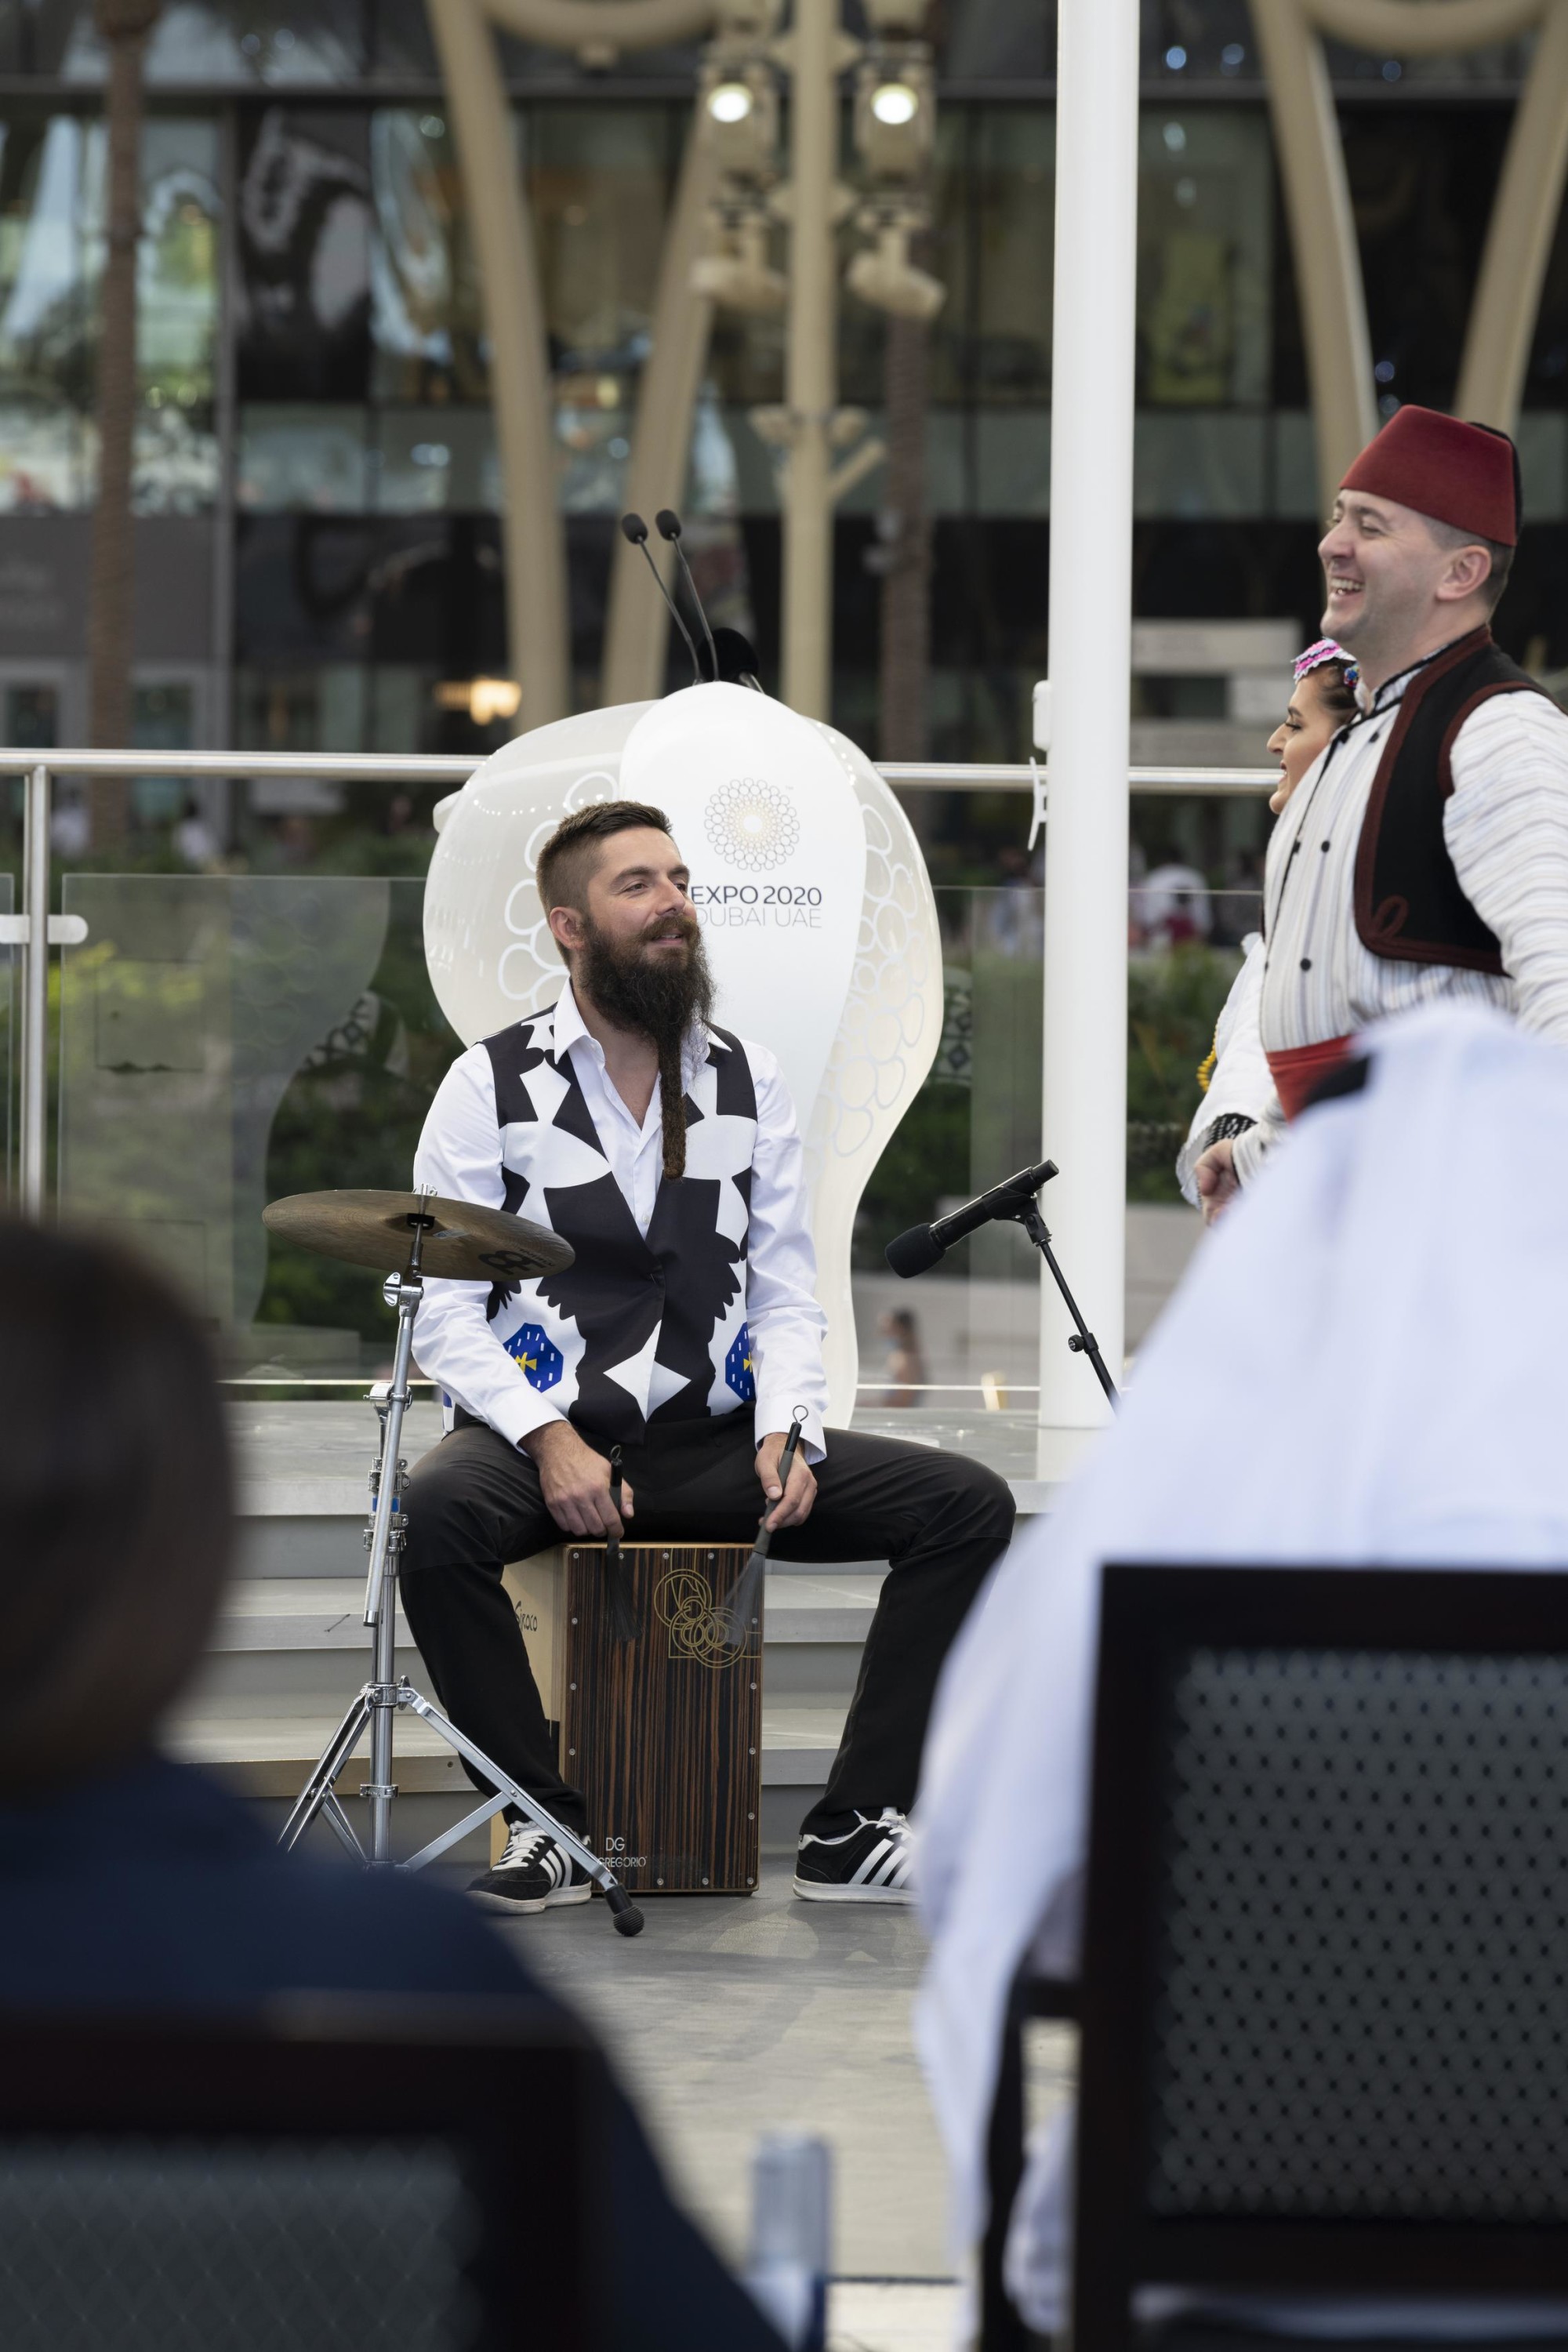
<point>1506,826</point>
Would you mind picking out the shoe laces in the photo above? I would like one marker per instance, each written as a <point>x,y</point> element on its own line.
<point>524,1844</point>
<point>895,1824</point>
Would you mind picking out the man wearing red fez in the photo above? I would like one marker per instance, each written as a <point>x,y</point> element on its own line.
<point>1426,853</point>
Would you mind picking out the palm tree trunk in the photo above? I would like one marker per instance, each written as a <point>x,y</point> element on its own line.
<point>125,26</point>
<point>906,556</point>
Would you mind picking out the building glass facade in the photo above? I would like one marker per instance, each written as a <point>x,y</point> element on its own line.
<point>317,484</point>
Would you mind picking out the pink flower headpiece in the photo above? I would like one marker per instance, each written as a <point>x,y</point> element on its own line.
<point>1317,657</point>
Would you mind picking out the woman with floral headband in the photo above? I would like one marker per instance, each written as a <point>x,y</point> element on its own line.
<point>1236,1078</point>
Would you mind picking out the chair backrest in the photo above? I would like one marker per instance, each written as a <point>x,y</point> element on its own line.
<point>1325,1987</point>
<point>359,2174</point>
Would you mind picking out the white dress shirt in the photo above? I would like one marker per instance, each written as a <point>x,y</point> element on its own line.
<point>460,1155</point>
<point>1506,828</point>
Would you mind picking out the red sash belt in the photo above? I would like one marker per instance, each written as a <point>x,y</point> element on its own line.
<point>1297,1072</point>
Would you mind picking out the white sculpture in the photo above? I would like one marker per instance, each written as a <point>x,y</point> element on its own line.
<point>819,914</point>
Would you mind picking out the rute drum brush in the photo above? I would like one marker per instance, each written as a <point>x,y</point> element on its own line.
<point>624,1623</point>
<point>741,1615</point>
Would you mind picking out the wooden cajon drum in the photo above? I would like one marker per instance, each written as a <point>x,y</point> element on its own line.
<point>663,1735</point>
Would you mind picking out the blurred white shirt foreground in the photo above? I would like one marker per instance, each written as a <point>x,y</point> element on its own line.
<point>1363,1364</point>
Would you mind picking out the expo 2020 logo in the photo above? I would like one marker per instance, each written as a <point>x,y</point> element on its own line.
<point>751,825</point>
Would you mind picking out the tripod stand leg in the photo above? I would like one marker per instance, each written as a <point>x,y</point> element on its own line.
<point>627,1918</point>
<point>318,1787</point>
<point>342,1827</point>
<point>448,1838</point>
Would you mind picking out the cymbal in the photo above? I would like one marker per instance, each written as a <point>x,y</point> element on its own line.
<point>466,1242</point>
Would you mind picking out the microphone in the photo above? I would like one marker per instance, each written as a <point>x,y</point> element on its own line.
<point>917,1251</point>
<point>633,528</point>
<point>669,523</point>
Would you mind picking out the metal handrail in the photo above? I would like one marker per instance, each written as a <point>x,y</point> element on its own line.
<point>435,768</point>
<point>348,767</point>
<point>32,932</point>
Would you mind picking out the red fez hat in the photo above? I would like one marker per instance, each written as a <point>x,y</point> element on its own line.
<point>1466,475</point>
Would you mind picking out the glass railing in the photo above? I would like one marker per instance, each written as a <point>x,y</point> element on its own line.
<point>228,1039</point>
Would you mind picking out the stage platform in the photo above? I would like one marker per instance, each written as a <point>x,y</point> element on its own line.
<point>290,1648</point>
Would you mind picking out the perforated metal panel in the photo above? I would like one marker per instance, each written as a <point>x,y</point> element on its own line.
<point>266,2248</point>
<point>1363,1939</point>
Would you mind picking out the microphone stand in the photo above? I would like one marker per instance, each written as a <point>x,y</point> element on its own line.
<point>1081,1339</point>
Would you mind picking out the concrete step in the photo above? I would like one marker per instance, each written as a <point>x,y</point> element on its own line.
<point>271,1755</point>
<point>292,1613</point>
<point>288,1652</point>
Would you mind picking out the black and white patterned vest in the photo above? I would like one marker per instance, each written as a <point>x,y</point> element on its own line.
<point>635,1332</point>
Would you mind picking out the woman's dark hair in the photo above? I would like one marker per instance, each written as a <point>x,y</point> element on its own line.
<point>1338,695</point>
<point>116,1497</point>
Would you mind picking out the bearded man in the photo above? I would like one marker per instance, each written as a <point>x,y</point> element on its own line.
<point>1425,855</point>
<point>665,1150</point>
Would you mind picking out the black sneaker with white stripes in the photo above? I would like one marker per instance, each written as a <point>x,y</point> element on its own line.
<point>869,1863</point>
<point>534,1874</point>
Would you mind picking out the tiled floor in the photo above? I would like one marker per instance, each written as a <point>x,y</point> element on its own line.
<point>729,2016</point>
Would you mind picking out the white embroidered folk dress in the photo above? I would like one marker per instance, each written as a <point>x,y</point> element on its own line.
<point>1240,1086</point>
<point>1506,828</point>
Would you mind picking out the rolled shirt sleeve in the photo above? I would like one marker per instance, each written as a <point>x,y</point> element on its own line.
<point>459,1156</point>
<point>785,1323</point>
<point>1506,825</point>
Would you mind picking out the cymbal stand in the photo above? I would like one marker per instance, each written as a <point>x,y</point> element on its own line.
<point>388,1694</point>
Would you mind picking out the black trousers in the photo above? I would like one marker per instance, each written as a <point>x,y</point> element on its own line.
<point>938,1519</point>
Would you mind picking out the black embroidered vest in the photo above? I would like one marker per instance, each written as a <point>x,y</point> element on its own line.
<point>1409,906</point>
<point>637,1330</point>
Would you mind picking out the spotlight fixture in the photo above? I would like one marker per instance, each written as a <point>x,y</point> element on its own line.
<point>884,277</point>
<point>894,114</point>
<point>740,96</point>
<point>895,103</point>
<point>730,102</point>
<point>738,274</point>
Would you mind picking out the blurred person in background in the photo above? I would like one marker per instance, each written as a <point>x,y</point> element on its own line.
<point>130,1883</point>
<point>906,1365</point>
<point>1236,1080</point>
<point>1015,919</point>
<point>195,837</point>
<point>1170,906</point>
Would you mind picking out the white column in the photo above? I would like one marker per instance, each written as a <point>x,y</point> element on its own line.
<point>1090,650</point>
<point>811,360</point>
<point>35,1122</point>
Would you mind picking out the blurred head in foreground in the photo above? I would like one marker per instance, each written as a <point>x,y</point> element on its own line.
<point>116,1502</point>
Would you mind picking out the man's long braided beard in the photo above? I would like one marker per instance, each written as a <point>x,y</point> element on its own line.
<point>655,996</point>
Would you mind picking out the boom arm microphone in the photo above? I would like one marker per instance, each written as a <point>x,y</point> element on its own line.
<point>917,1251</point>
<point>633,528</point>
<point>669,523</point>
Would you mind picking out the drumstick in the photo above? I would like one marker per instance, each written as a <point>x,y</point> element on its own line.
<point>742,1614</point>
<point>625,1625</point>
